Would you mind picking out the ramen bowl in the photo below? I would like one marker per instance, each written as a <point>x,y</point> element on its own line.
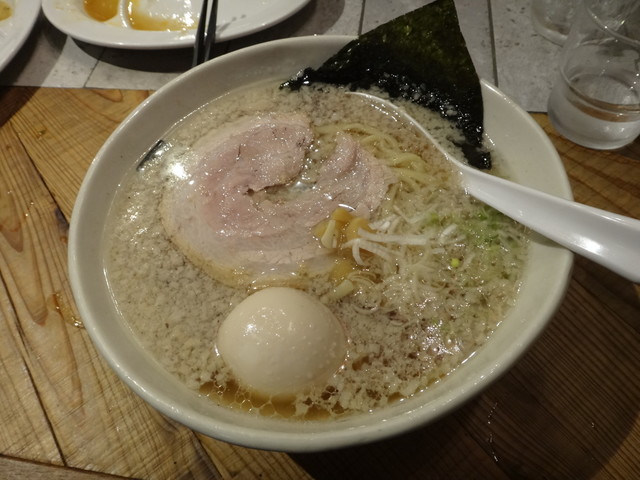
<point>532,161</point>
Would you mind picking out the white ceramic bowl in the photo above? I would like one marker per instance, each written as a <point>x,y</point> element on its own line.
<point>531,156</point>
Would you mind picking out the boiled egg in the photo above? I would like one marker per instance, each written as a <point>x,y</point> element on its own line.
<point>281,340</point>
<point>163,14</point>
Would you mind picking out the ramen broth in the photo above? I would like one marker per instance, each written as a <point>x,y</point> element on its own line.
<point>413,312</point>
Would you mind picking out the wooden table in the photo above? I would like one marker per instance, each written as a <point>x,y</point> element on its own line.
<point>568,409</point>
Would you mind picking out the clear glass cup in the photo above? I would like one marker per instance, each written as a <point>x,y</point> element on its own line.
<point>595,101</point>
<point>552,18</point>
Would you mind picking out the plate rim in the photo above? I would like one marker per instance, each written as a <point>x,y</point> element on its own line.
<point>24,28</point>
<point>61,12</point>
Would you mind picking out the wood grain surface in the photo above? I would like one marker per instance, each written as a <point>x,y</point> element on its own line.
<point>568,409</point>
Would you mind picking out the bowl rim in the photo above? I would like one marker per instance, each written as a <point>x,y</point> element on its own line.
<point>306,440</point>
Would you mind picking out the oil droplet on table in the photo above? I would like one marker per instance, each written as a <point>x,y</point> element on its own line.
<point>64,310</point>
<point>490,438</point>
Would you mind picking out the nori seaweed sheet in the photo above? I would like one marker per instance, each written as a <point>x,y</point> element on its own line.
<point>422,57</point>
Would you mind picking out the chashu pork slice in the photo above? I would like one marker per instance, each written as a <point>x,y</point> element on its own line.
<point>239,213</point>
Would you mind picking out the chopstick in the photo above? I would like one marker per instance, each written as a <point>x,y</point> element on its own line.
<point>205,40</point>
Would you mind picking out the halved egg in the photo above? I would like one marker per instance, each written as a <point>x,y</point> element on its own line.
<point>5,10</point>
<point>163,14</point>
<point>157,15</point>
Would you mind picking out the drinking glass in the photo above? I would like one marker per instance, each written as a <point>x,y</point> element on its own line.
<point>595,101</point>
<point>552,18</point>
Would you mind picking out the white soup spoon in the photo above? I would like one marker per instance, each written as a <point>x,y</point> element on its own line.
<point>606,238</point>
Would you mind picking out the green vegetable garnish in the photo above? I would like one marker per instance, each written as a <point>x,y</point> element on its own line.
<point>421,57</point>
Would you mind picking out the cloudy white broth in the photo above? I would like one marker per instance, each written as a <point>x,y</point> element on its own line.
<point>418,277</point>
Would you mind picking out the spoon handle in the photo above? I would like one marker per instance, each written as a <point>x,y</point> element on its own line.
<point>604,237</point>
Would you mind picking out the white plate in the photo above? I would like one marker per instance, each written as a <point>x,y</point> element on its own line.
<point>15,29</point>
<point>236,18</point>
